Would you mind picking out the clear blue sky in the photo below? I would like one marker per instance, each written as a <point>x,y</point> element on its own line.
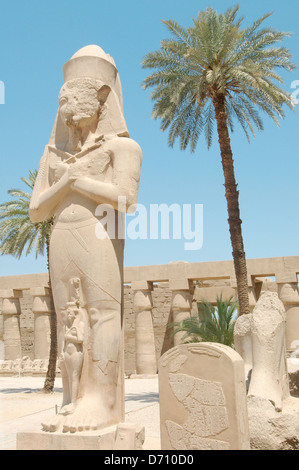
<point>37,37</point>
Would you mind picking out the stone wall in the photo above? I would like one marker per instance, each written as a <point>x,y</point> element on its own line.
<point>26,324</point>
<point>161,314</point>
<point>165,293</point>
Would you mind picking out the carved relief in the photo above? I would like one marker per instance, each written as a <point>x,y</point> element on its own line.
<point>203,398</point>
<point>205,403</point>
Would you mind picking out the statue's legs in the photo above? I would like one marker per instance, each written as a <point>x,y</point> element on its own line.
<point>61,297</point>
<point>99,405</point>
<point>76,252</point>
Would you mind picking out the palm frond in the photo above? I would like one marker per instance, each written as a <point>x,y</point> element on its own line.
<point>213,324</point>
<point>18,235</point>
<point>217,56</point>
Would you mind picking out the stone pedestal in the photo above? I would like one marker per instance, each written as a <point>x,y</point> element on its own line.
<point>289,294</point>
<point>124,436</point>
<point>11,311</point>
<point>41,308</point>
<point>146,362</point>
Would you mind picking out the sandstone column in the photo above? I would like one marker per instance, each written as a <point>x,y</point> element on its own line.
<point>146,362</point>
<point>289,294</point>
<point>182,292</point>
<point>11,311</point>
<point>41,308</point>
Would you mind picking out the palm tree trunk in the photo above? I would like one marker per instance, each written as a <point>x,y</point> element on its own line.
<point>232,198</point>
<point>51,372</point>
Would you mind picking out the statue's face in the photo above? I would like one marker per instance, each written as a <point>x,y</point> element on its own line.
<point>71,314</point>
<point>78,103</point>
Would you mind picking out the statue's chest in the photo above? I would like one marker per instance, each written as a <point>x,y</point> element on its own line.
<point>95,162</point>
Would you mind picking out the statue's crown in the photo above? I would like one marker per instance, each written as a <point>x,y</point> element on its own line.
<point>91,61</point>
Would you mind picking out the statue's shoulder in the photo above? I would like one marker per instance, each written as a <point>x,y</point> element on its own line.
<point>121,144</point>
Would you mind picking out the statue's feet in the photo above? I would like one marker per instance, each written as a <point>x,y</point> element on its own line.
<point>67,410</point>
<point>53,424</point>
<point>89,415</point>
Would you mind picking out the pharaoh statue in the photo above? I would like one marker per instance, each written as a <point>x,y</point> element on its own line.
<point>89,163</point>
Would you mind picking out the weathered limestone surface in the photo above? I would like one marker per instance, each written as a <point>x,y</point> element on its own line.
<point>121,437</point>
<point>269,377</point>
<point>203,398</point>
<point>88,178</point>
<point>243,341</point>
<point>273,413</point>
<point>272,430</point>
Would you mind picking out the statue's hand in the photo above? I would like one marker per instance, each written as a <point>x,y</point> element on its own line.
<point>68,176</point>
<point>74,171</point>
<point>60,170</point>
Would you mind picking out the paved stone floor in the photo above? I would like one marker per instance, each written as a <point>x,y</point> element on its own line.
<point>23,407</point>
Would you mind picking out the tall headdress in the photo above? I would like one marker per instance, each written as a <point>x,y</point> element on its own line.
<point>92,62</point>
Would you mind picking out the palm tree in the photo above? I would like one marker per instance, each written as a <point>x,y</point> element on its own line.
<point>213,72</point>
<point>18,235</point>
<point>213,324</point>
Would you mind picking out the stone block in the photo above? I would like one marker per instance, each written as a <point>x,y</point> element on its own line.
<point>124,436</point>
<point>203,398</point>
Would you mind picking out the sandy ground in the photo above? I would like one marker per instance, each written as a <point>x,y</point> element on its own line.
<point>23,407</point>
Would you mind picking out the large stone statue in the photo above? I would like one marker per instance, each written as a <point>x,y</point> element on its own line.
<point>90,161</point>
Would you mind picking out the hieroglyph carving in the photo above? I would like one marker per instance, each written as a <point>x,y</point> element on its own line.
<point>205,403</point>
<point>203,398</point>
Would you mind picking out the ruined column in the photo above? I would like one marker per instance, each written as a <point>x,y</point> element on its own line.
<point>146,362</point>
<point>11,311</point>
<point>289,294</point>
<point>243,341</point>
<point>269,378</point>
<point>41,308</point>
<point>182,293</point>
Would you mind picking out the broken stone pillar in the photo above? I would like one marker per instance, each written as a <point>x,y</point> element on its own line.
<point>269,378</point>
<point>11,311</point>
<point>146,362</point>
<point>203,398</point>
<point>182,294</point>
<point>243,341</point>
<point>41,308</point>
<point>289,294</point>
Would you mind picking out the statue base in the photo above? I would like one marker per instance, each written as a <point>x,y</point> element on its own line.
<point>122,436</point>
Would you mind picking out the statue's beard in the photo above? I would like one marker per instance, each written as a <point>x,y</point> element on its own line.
<point>74,136</point>
<point>76,132</point>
